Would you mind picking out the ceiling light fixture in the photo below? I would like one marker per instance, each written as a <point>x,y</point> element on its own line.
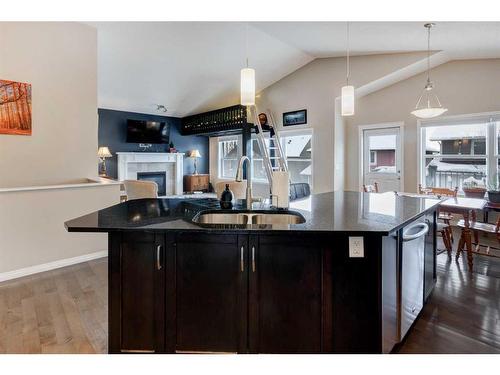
<point>247,83</point>
<point>428,104</point>
<point>161,108</point>
<point>347,93</point>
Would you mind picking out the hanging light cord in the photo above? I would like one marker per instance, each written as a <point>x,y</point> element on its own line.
<point>246,42</point>
<point>429,53</point>
<point>347,67</point>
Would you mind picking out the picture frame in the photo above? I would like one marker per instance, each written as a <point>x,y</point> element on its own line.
<point>295,118</point>
<point>15,107</point>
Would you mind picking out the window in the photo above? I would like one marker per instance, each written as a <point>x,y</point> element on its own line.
<point>297,147</point>
<point>382,153</point>
<point>229,155</point>
<point>258,169</point>
<point>458,153</point>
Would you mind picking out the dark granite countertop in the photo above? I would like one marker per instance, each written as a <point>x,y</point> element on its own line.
<point>340,211</point>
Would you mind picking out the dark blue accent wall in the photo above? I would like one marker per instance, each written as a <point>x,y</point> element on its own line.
<point>113,133</point>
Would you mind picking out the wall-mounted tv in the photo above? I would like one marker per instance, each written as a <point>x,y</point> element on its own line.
<point>147,132</point>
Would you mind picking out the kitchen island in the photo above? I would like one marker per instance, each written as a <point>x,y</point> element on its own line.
<point>340,272</point>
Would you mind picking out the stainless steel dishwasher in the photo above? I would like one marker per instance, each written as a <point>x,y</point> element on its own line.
<point>412,272</point>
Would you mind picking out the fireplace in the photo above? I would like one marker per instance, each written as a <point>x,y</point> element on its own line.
<point>130,164</point>
<point>158,177</point>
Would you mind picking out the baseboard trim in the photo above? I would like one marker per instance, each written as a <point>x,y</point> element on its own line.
<point>10,275</point>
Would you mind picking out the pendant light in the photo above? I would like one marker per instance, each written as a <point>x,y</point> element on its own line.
<point>428,104</point>
<point>247,81</point>
<point>347,93</point>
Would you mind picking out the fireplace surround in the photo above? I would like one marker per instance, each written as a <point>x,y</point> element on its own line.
<point>132,164</point>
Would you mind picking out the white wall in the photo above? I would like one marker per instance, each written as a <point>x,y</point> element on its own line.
<point>32,229</point>
<point>60,61</point>
<point>467,86</point>
<point>314,87</point>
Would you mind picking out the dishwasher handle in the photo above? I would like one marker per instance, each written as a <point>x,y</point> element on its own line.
<point>423,229</point>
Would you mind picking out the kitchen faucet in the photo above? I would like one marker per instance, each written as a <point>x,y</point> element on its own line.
<point>239,178</point>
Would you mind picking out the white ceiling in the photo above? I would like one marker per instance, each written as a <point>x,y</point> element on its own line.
<point>328,39</point>
<point>188,67</point>
<point>191,67</point>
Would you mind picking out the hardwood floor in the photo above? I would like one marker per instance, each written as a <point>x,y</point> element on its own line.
<point>463,313</point>
<point>65,311</point>
<point>60,311</point>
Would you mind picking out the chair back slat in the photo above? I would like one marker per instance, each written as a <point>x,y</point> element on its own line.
<point>497,228</point>
<point>371,188</point>
<point>443,192</point>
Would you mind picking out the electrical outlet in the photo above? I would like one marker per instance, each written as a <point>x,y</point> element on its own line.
<point>356,247</point>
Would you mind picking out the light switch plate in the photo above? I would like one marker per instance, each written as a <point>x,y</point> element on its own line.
<point>356,247</point>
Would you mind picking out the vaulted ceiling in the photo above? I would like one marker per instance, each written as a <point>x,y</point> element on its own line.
<point>190,67</point>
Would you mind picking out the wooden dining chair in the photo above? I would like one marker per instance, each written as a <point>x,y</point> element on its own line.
<point>437,191</point>
<point>444,228</point>
<point>371,188</point>
<point>465,241</point>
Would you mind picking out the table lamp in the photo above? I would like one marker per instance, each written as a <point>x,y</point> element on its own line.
<point>195,154</point>
<point>103,153</point>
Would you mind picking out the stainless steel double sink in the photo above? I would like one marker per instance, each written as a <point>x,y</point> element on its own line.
<point>249,218</point>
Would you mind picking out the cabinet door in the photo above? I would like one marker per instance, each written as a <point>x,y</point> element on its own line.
<point>211,272</point>
<point>136,293</point>
<point>285,295</point>
<point>430,256</point>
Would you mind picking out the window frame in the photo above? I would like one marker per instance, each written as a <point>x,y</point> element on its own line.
<point>297,132</point>
<point>282,133</point>
<point>252,159</point>
<point>220,158</point>
<point>491,119</point>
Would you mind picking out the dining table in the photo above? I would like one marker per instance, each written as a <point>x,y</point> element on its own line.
<point>468,208</point>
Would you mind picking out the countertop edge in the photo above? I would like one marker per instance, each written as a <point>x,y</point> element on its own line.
<point>201,229</point>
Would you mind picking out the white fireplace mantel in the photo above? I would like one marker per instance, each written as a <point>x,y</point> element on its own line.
<point>130,163</point>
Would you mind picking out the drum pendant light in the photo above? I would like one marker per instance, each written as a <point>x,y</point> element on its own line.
<point>247,79</point>
<point>428,104</point>
<point>347,93</point>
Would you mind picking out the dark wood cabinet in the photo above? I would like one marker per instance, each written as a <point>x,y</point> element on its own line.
<point>196,182</point>
<point>430,257</point>
<point>211,285</point>
<point>136,293</point>
<point>259,293</point>
<point>357,286</point>
<point>286,295</point>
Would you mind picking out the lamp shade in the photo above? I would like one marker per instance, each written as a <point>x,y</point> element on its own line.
<point>428,112</point>
<point>247,87</point>
<point>347,101</point>
<point>104,152</point>
<point>428,105</point>
<point>194,154</point>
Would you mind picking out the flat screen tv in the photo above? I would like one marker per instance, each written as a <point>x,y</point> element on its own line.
<point>147,132</point>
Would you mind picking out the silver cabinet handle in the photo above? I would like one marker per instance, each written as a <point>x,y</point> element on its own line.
<point>158,260</point>
<point>253,258</point>
<point>242,259</point>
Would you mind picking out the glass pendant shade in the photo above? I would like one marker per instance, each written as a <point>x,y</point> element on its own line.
<point>347,101</point>
<point>428,105</point>
<point>247,88</point>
